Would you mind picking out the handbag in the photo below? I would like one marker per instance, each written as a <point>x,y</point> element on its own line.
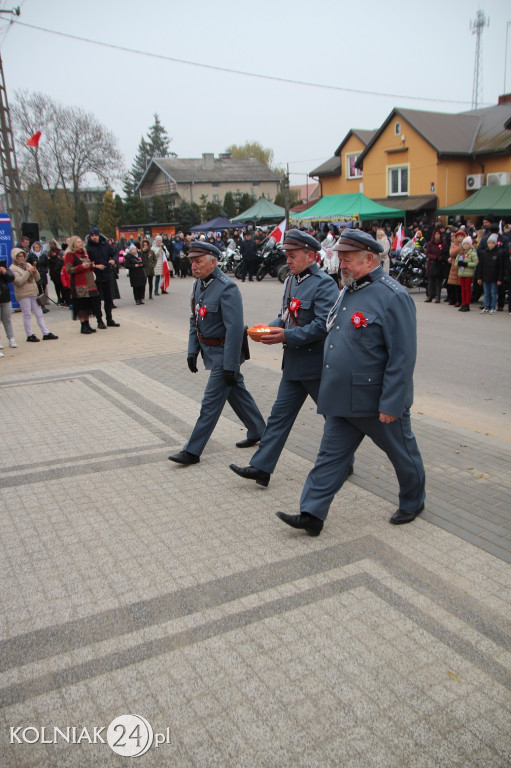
<point>42,300</point>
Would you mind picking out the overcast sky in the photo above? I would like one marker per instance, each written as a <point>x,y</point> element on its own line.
<point>402,49</point>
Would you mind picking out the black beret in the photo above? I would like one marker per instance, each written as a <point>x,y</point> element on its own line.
<point>204,248</point>
<point>356,240</point>
<point>295,238</point>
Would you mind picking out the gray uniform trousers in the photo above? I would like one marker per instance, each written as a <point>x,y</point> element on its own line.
<point>213,401</point>
<point>341,438</point>
<point>290,398</point>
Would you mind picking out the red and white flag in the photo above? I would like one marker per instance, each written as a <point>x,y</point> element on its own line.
<point>397,242</point>
<point>279,232</point>
<point>33,141</point>
<point>165,272</point>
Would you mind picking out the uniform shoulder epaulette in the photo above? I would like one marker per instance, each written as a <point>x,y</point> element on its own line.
<point>223,278</point>
<point>390,283</point>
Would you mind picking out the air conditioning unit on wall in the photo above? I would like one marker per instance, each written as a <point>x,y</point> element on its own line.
<point>474,181</point>
<point>497,179</point>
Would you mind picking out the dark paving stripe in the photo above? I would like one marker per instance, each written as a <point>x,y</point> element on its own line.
<point>46,643</point>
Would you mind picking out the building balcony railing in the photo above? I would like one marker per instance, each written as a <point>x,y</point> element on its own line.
<point>164,188</point>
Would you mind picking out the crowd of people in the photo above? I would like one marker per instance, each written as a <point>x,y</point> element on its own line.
<point>470,261</point>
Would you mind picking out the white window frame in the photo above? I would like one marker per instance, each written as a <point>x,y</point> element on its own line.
<point>397,128</point>
<point>401,192</point>
<point>358,172</point>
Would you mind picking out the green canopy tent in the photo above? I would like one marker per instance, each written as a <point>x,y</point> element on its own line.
<point>349,206</point>
<point>495,200</point>
<point>261,212</point>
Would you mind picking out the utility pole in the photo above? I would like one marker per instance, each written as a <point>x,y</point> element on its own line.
<point>11,180</point>
<point>477,27</point>
<point>286,195</point>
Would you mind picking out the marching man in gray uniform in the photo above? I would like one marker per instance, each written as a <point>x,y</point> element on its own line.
<point>366,385</point>
<point>216,332</point>
<point>309,294</point>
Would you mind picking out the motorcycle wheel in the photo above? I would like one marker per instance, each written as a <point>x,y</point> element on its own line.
<point>283,273</point>
<point>238,272</point>
<point>261,272</point>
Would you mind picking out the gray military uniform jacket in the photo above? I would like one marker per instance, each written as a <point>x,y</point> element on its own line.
<point>303,350</point>
<point>370,351</point>
<point>217,314</point>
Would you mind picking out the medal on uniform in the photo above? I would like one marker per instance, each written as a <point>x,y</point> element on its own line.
<point>202,312</point>
<point>358,320</point>
<point>294,306</point>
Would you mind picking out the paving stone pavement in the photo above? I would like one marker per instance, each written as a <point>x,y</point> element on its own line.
<point>131,585</point>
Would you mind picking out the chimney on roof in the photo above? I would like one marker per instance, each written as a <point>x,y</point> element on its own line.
<point>505,98</point>
<point>208,161</point>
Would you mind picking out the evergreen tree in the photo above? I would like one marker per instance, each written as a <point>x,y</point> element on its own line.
<point>141,161</point>
<point>82,219</point>
<point>121,212</point>
<point>202,207</point>
<point>212,211</point>
<point>135,210</point>
<point>158,140</point>
<point>186,215</point>
<point>159,210</point>
<point>229,205</point>
<point>108,217</point>
<point>139,213</point>
<point>245,203</point>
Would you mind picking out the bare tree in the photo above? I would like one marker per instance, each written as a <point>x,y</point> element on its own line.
<point>74,145</point>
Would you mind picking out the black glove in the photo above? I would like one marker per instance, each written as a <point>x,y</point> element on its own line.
<point>230,378</point>
<point>192,363</point>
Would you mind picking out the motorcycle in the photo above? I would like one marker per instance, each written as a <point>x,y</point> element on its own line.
<point>231,257</point>
<point>282,273</point>
<point>409,268</point>
<point>273,257</point>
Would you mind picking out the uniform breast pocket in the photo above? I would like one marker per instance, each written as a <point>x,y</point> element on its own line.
<point>366,391</point>
<point>305,310</point>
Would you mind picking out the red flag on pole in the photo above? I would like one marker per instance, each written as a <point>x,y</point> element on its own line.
<point>397,243</point>
<point>279,232</point>
<point>165,273</point>
<point>34,140</point>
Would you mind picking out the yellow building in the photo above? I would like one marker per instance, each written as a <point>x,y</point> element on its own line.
<point>420,161</point>
<point>340,174</point>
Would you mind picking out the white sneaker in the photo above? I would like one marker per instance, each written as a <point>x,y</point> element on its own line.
<point>484,311</point>
<point>12,342</point>
<point>492,311</point>
<point>1,353</point>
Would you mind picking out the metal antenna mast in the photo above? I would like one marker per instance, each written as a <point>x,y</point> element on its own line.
<point>11,180</point>
<point>477,27</point>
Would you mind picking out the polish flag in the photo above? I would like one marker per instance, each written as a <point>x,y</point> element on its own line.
<point>279,232</point>
<point>165,273</point>
<point>397,242</point>
<point>34,140</point>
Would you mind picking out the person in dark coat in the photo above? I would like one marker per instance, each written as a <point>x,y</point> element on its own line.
<point>134,263</point>
<point>101,254</point>
<point>490,271</point>
<point>55,264</point>
<point>436,254</point>
<point>248,250</point>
